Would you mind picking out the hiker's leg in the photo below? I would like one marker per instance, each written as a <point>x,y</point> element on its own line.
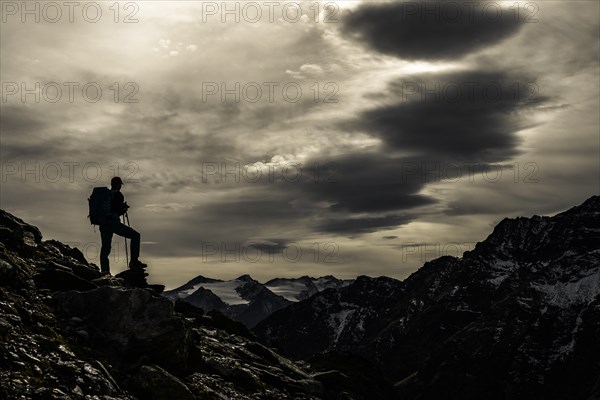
<point>130,233</point>
<point>135,244</point>
<point>106,236</point>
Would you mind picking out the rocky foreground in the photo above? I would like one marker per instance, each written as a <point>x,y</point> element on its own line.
<point>67,332</point>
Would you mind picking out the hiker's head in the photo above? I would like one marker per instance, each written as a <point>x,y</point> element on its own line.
<point>116,183</point>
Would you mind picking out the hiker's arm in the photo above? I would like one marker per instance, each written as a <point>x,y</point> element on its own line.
<point>120,206</point>
<point>123,206</point>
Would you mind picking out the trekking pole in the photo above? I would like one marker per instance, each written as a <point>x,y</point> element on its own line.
<point>126,250</point>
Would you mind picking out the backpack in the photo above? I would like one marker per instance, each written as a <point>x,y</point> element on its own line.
<point>99,203</point>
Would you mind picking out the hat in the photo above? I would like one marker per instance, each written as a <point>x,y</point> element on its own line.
<point>116,180</point>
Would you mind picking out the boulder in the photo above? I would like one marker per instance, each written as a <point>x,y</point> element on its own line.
<point>154,383</point>
<point>132,321</point>
<point>61,280</point>
<point>16,274</point>
<point>85,271</point>
<point>108,280</point>
<point>66,250</point>
<point>17,235</point>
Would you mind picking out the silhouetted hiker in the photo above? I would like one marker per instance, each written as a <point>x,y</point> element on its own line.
<point>112,224</point>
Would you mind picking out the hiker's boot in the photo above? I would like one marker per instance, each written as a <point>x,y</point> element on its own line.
<point>137,264</point>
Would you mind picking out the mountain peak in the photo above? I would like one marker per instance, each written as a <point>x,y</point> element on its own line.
<point>591,205</point>
<point>203,279</point>
<point>542,237</point>
<point>245,278</point>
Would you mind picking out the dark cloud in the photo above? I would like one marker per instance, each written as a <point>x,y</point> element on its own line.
<point>369,182</point>
<point>15,120</point>
<point>430,30</point>
<point>357,226</point>
<point>254,211</point>
<point>22,132</point>
<point>464,116</point>
<point>37,152</point>
<point>452,125</point>
<point>357,185</point>
<point>271,246</point>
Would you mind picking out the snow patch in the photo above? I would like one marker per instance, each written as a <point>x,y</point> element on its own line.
<point>224,290</point>
<point>564,294</point>
<point>326,283</point>
<point>289,291</point>
<point>567,349</point>
<point>338,322</point>
<point>292,289</point>
<point>498,280</point>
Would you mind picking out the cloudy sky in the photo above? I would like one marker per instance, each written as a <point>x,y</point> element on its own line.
<point>298,138</point>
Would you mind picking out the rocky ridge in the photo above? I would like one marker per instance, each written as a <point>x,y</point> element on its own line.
<point>68,332</point>
<point>518,317</point>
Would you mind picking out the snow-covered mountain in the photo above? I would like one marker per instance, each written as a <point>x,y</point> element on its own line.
<point>296,289</point>
<point>516,318</point>
<point>247,300</point>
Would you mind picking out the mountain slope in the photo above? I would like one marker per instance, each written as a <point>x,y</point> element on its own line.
<point>515,318</point>
<point>66,332</point>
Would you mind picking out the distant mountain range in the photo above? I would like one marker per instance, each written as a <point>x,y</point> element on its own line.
<point>516,318</point>
<point>247,300</point>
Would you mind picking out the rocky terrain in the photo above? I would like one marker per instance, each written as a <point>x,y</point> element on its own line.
<point>245,299</point>
<point>67,332</point>
<point>516,318</point>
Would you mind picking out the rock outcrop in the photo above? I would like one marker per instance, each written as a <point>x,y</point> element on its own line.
<point>132,322</point>
<point>516,318</point>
